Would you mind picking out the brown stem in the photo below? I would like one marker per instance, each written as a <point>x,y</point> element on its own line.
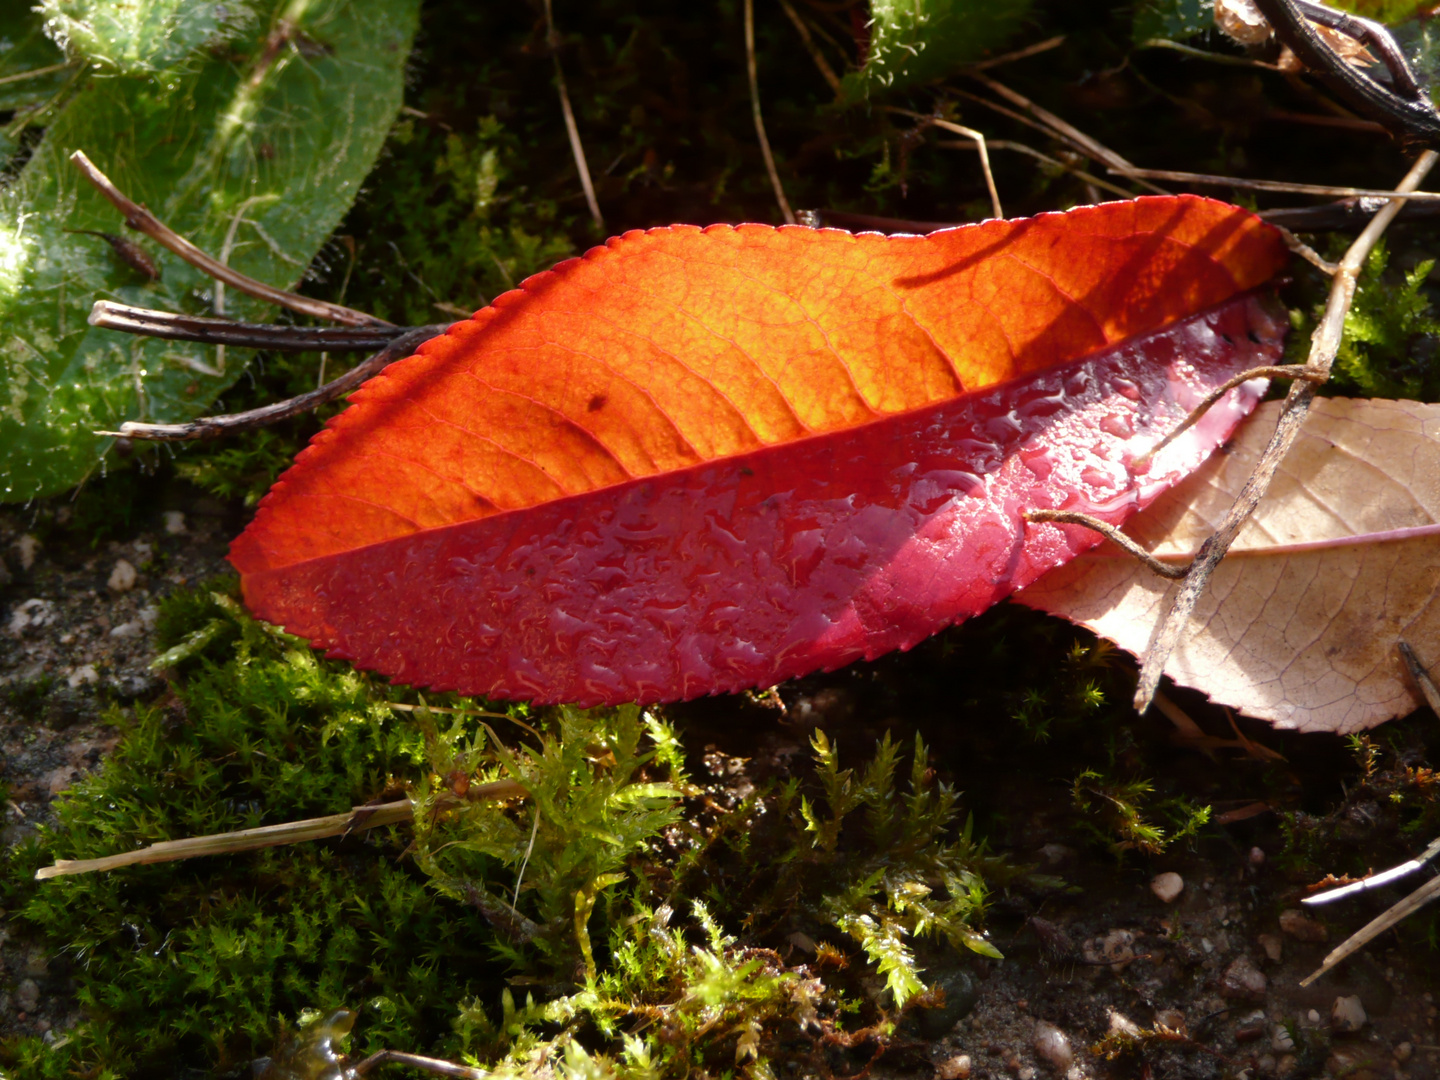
<point>1373,34</point>
<point>1323,346</point>
<point>1243,184</point>
<point>142,220</point>
<point>213,427</point>
<point>1114,535</point>
<point>1282,371</point>
<point>109,315</point>
<point>415,1061</point>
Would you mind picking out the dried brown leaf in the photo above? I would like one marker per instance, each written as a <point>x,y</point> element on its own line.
<point>1341,561</point>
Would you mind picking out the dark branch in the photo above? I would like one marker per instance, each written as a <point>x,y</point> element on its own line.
<point>211,331</point>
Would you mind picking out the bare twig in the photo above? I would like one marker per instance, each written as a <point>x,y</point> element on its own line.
<point>1323,347</point>
<point>843,219</point>
<point>572,129</point>
<point>1344,215</point>
<point>142,220</point>
<point>213,427</point>
<point>1372,34</point>
<point>1243,184</point>
<point>1055,163</point>
<point>1092,147</point>
<point>356,819</point>
<point>33,73</point>
<point>821,64</point>
<point>416,1061</point>
<point>1304,250</point>
<point>1377,926</point>
<point>979,140</point>
<point>753,71</point>
<point>1281,371</point>
<point>1413,118</point>
<point>108,315</point>
<point>1114,535</point>
<point>1205,54</point>
<point>1420,675</point>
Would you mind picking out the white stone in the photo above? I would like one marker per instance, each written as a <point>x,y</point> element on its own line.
<point>132,629</point>
<point>1281,1041</point>
<point>1120,1024</point>
<point>122,577</point>
<point>954,1068</point>
<point>1052,1046</point>
<point>174,522</point>
<point>27,546</point>
<point>1348,1014</point>
<point>27,995</point>
<point>1167,886</point>
<point>84,675</point>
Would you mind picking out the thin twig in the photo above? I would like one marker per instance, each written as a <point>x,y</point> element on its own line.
<point>1323,346</point>
<point>1377,926</point>
<point>1094,148</point>
<point>572,129</point>
<point>213,427</point>
<point>821,64</point>
<point>1114,535</point>
<point>416,1061</point>
<point>1019,54</point>
<point>108,315</point>
<point>1275,185</point>
<point>1344,214</point>
<point>753,71</point>
<point>1279,371</point>
<point>1304,250</point>
<point>356,819</point>
<point>33,73</point>
<point>1413,118</point>
<point>1372,34</point>
<point>142,220</point>
<point>1204,54</point>
<point>1375,881</point>
<point>1420,675</point>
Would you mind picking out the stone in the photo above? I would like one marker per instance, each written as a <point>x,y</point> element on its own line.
<point>84,675</point>
<point>1281,1041</point>
<point>1243,981</point>
<point>1026,1073</point>
<point>1403,1052</point>
<point>122,577</point>
<point>1296,924</point>
<point>1167,886</point>
<point>954,1068</point>
<point>1052,1046</point>
<point>1286,1066</point>
<point>27,995</point>
<point>174,522</point>
<point>1348,1014</point>
<point>1171,1020</point>
<point>26,547</point>
<point>1274,946</point>
<point>1120,1024</point>
<point>1257,856</point>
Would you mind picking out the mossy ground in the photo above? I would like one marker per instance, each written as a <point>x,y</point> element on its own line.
<point>746,905</point>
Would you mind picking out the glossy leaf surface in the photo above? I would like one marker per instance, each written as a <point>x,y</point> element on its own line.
<point>701,460</point>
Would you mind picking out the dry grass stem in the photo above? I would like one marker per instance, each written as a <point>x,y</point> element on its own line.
<point>1375,881</point>
<point>33,73</point>
<point>1046,159</point>
<point>1324,344</point>
<point>1019,54</point>
<point>356,819</point>
<point>1202,54</point>
<point>1111,533</point>
<point>572,129</point>
<point>979,140</point>
<point>142,220</point>
<point>108,315</point>
<point>1275,185</point>
<point>1281,371</point>
<point>213,427</point>
<point>753,71</point>
<point>1092,147</point>
<point>1377,926</point>
<point>1304,250</point>
<point>821,64</point>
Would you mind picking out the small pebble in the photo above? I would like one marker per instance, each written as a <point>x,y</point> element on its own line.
<point>27,546</point>
<point>84,675</point>
<point>1257,856</point>
<point>1403,1051</point>
<point>1313,1016</point>
<point>955,1068</point>
<point>1171,1020</point>
<point>1027,1073</point>
<point>1242,980</point>
<point>1167,886</point>
<point>27,995</point>
<point>1273,944</point>
<point>1286,1066</point>
<point>174,522</point>
<point>1281,1041</point>
<point>1265,1064</point>
<point>1053,1046</point>
<point>1347,1014</point>
<point>1296,924</point>
<point>1120,1024</point>
<point>122,578</point>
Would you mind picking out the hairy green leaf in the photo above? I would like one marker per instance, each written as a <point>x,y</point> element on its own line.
<point>1174,20</point>
<point>916,41</point>
<point>142,36</point>
<point>254,153</point>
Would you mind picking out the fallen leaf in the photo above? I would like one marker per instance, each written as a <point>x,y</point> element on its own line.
<point>697,461</point>
<point>1342,559</point>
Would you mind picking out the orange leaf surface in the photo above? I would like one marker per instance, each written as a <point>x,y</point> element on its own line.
<point>685,462</point>
<point>1341,560</point>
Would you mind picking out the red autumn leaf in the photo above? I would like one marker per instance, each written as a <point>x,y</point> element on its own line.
<point>700,460</point>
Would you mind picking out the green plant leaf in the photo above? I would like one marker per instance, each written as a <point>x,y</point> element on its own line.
<point>142,36</point>
<point>254,155</point>
<point>1173,20</point>
<point>916,41</point>
<point>24,48</point>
